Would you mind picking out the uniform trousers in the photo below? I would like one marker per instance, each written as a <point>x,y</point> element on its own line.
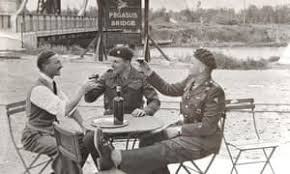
<point>156,152</point>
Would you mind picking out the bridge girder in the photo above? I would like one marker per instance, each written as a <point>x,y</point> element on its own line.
<point>49,7</point>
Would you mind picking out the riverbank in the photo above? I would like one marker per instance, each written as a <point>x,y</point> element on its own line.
<point>189,34</point>
<point>238,58</point>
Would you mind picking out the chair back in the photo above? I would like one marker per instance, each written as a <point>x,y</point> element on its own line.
<point>243,105</point>
<point>68,143</point>
<point>14,109</point>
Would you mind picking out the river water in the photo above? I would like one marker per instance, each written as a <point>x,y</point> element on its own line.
<point>236,52</point>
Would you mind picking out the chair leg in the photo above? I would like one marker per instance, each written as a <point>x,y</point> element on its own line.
<point>27,170</point>
<point>185,168</point>
<point>196,167</point>
<point>134,143</point>
<point>34,160</point>
<point>179,167</point>
<point>235,163</point>
<point>268,162</point>
<point>45,166</point>
<point>127,144</point>
<point>210,163</point>
<point>231,156</point>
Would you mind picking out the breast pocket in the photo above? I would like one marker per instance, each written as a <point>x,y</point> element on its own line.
<point>197,102</point>
<point>135,86</point>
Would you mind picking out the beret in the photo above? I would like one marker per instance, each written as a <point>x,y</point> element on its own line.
<point>122,52</point>
<point>206,57</point>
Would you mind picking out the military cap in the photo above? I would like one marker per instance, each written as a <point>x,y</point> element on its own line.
<point>206,57</point>
<point>122,52</point>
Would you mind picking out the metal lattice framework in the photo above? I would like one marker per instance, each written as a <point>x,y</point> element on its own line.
<point>49,6</point>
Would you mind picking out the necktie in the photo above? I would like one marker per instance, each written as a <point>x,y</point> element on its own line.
<point>54,88</point>
<point>55,92</point>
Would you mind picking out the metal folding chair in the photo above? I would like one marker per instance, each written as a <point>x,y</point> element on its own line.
<point>194,167</point>
<point>268,148</point>
<point>16,109</point>
<point>68,144</point>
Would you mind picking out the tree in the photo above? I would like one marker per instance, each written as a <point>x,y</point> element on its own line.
<point>251,14</point>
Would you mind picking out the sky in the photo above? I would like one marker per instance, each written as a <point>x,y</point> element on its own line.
<point>177,5</point>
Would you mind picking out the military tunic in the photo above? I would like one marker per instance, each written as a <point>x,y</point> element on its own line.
<point>202,107</point>
<point>133,90</point>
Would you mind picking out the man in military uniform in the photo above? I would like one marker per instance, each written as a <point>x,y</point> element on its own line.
<point>203,103</point>
<point>133,87</point>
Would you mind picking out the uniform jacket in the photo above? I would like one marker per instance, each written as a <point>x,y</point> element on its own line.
<point>202,108</point>
<point>133,90</point>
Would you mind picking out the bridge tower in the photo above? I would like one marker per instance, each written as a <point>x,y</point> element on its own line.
<point>49,7</point>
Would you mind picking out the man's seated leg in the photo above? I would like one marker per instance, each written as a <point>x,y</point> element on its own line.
<point>147,159</point>
<point>45,144</point>
<point>150,139</point>
<point>88,141</point>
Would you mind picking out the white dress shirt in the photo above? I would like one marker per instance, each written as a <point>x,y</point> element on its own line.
<point>44,98</point>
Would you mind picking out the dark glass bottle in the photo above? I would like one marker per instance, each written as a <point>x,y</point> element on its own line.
<point>118,107</point>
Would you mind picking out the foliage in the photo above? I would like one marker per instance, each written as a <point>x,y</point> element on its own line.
<point>226,62</point>
<point>228,16</point>
<point>60,49</point>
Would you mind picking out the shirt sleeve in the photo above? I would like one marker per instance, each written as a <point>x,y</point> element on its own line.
<point>44,98</point>
<point>64,97</point>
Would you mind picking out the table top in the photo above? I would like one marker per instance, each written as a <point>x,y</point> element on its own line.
<point>135,124</point>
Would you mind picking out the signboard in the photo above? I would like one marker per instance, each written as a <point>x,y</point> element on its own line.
<point>123,14</point>
<point>113,38</point>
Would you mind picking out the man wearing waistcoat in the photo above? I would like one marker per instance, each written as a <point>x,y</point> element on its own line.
<point>46,104</point>
<point>197,136</point>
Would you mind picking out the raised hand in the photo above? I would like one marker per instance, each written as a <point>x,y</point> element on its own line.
<point>138,113</point>
<point>145,68</point>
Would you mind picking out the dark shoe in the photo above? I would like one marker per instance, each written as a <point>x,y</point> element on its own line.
<point>104,149</point>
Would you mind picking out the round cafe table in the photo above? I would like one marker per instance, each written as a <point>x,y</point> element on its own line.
<point>135,125</point>
<point>136,128</point>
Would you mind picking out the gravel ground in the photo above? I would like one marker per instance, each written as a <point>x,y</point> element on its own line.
<point>267,86</point>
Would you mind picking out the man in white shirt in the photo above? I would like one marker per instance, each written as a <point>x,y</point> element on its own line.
<point>45,104</point>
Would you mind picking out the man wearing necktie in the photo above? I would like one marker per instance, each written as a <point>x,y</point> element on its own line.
<point>46,103</point>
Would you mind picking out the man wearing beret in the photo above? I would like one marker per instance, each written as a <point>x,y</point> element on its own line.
<point>133,88</point>
<point>198,135</point>
<point>45,104</point>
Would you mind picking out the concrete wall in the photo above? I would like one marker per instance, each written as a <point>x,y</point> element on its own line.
<point>10,41</point>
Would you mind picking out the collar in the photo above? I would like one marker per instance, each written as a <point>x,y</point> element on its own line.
<point>46,78</point>
<point>132,73</point>
<point>126,76</point>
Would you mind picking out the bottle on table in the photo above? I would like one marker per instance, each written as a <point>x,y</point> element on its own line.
<point>118,107</point>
